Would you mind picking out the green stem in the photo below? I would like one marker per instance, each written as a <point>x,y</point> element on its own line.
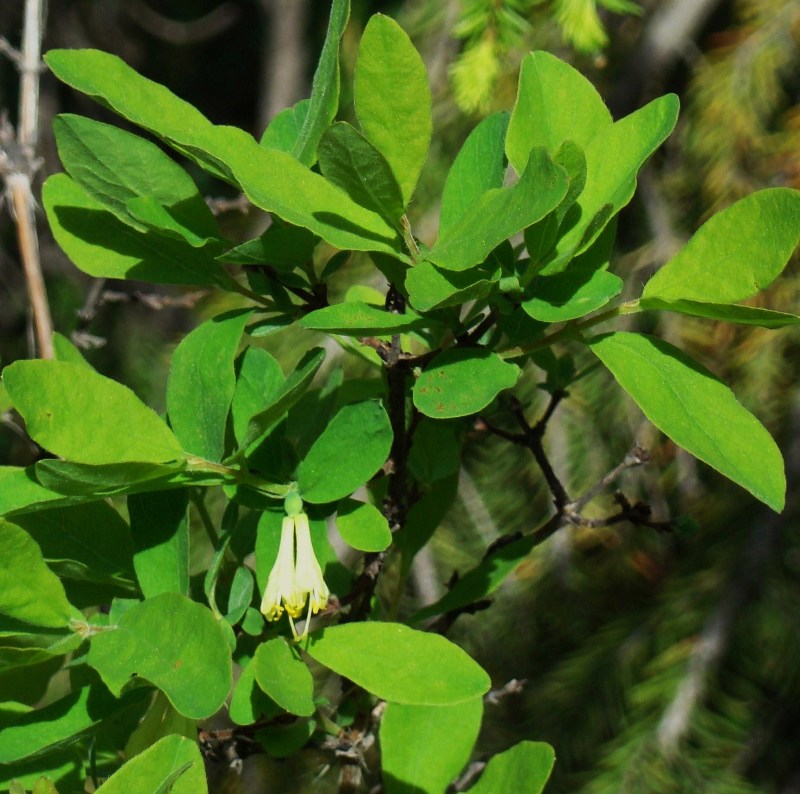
<point>198,499</point>
<point>408,237</point>
<point>571,330</point>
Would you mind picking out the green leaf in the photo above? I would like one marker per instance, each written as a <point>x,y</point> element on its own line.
<point>555,103</point>
<point>362,526</point>
<point>434,671</point>
<point>282,247</point>
<point>353,446</point>
<point>423,748</point>
<point>282,741</point>
<point>478,168</point>
<point>160,532</point>
<point>482,580</point>
<point>95,482</point>
<point>356,318</point>
<point>351,162</point>
<point>240,594</point>
<point>64,350</point>
<point>324,100</point>
<point>430,287</point>
<point>100,244</point>
<point>61,722</point>
<point>435,451</point>
<point>29,590</point>
<point>524,768</point>
<point>736,253</point>
<point>501,213</point>
<point>173,765</point>
<point>273,180</point>
<point>726,312</point>
<point>462,381</point>
<point>291,390</point>
<point>423,519</point>
<point>249,702</point>
<point>281,673</point>
<point>613,159</point>
<point>64,767</point>
<point>202,382</point>
<point>174,643</point>
<point>59,401</point>
<point>115,167</point>
<point>697,411</point>
<point>159,721</point>
<point>258,383</point>
<point>21,493</point>
<point>581,288</point>
<point>284,128</point>
<point>90,541</point>
<point>393,99</point>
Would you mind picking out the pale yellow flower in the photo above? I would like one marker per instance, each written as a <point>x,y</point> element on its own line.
<point>296,574</point>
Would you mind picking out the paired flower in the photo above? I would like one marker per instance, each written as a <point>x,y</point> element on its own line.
<point>296,576</point>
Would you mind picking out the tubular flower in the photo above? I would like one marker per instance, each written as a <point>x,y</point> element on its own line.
<point>296,575</point>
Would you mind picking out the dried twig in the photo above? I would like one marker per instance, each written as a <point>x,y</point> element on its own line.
<point>18,164</point>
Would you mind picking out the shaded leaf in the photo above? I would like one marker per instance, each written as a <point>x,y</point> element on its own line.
<point>100,244</point>
<point>350,161</point>
<point>160,532</point>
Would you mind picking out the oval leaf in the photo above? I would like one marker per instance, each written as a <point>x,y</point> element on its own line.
<point>736,253</point>
<point>281,673</point>
<point>501,213</point>
<point>201,384</point>
<point>174,643</point>
<point>29,590</point>
<point>462,381</point>
<point>173,765</point>
<point>478,167</point>
<point>697,411</point>
<point>356,318</point>
<point>362,526</point>
<point>59,401</point>
<point>524,768</point>
<point>423,748</point>
<point>434,671</point>
<point>555,103</point>
<point>351,162</point>
<point>393,99</point>
<point>100,244</point>
<point>353,446</point>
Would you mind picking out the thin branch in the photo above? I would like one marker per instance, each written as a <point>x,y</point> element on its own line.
<point>18,164</point>
<point>636,457</point>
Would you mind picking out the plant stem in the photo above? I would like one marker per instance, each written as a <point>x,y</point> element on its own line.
<point>570,330</point>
